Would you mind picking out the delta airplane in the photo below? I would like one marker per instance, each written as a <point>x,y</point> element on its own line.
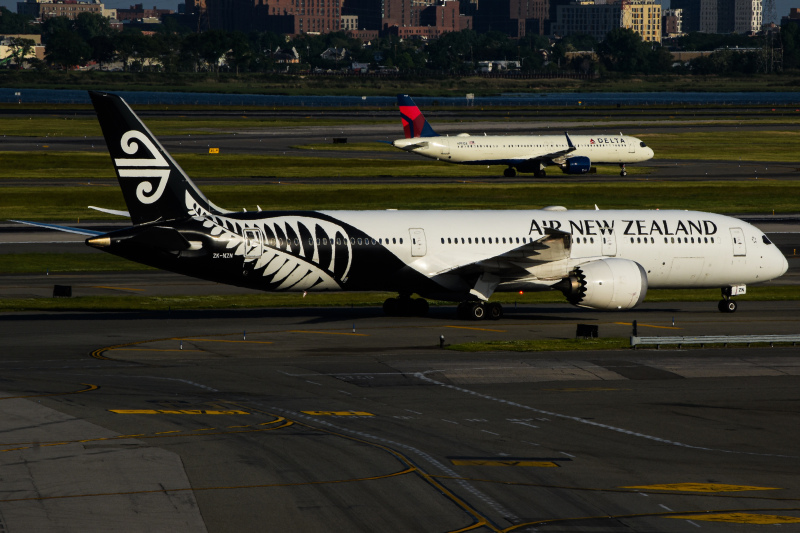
<point>574,154</point>
<point>597,259</point>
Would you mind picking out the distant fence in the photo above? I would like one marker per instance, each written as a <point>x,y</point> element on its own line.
<point>715,339</point>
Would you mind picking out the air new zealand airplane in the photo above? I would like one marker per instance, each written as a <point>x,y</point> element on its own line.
<point>597,259</point>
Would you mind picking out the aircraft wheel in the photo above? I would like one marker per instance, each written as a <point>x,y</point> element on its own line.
<point>623,173</point>
<point>477,311</point>
<point>419,307</point>
<point>391,307</point>
<point>510,172</point>
<point>462,311</point>
<point>495,311</point>
<point>542,173</point>
<point>727,306</point>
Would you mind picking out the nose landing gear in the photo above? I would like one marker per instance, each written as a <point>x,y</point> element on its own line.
<point>623,172</point>
<point>726,305</point>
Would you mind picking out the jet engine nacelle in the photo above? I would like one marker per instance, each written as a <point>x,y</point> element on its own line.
<point>607,284</point>
<point>576,165</point>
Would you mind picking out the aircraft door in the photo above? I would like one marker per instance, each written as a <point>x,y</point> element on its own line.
<point>253,243</point>
<point>609,245</point>
<point>418,246</point>
<point>739,247</point>
<point>631,147</point>
<point>445,146</point>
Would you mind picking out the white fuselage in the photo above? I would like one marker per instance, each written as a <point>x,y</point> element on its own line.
<point>511,149</point>
<point>677,249</point>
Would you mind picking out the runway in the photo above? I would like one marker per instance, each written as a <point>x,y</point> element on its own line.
<point>343,420</point>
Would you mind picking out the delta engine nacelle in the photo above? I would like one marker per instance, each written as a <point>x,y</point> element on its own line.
<point>576,165</point>
<point>606,284</point>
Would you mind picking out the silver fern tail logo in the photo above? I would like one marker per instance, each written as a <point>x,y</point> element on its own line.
<point>151,168</point>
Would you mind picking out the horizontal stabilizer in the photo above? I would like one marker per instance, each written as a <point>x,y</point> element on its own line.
<point>79,231</point>
<point>111,211</point>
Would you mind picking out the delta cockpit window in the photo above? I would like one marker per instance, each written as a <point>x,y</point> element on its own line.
<point>766,239</point>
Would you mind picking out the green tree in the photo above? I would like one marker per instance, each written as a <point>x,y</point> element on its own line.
<point>623,51</point>
<point>66,49</point>
<point>20,47</point>
<point>11,23</point>
<point>790,40</point>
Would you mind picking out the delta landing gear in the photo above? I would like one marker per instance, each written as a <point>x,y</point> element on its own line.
<point>479,311</point>
<point>510,172</point>
<point>404,305</point>
<point>726,305</point>
<point>541,173</point>
<point>623,172</point>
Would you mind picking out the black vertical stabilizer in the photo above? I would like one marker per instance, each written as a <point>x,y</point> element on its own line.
<point>154,186</point>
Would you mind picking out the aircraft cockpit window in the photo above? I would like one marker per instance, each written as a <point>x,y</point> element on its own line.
<point>765,239</point>
<point>642,144</point>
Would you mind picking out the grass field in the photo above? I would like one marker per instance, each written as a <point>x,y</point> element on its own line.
<point>425,84</point>
<point>69,203</point>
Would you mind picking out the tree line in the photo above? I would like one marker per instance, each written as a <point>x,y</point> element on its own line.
<point>176,48</point>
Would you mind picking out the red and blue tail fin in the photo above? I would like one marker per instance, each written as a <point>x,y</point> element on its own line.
<point>414,123</point>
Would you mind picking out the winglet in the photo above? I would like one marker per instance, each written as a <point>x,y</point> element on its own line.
<point>569,142</point>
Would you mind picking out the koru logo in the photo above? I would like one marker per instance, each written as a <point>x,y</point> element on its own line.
<point>153,167</point>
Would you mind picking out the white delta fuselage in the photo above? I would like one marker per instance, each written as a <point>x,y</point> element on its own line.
<point>522,150</point>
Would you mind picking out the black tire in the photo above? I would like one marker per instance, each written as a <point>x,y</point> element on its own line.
<point>721,306</point>
<point>731,306</point>
<point>623,173</point>
<point>419,307</point>
<point>495,311</point>
<point>391,307</point>
<point>543,173</point>
<point>510,172</point>
<point>462,311</point>
<point>477,311</point>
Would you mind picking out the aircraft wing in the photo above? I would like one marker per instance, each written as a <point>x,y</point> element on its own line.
<point>68,229</point>
<point>488,273</point>
<point>552,155</point>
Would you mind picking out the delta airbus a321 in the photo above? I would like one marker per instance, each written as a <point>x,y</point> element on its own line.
<point>573,154</point>
<point>597,259</point>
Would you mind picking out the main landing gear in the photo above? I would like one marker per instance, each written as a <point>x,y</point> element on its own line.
<point>404,305</point>
<point>541,173</point>
<point>623,172</point>
<point>510,172</point>
<point>726,305</point>
<point>479,311</point>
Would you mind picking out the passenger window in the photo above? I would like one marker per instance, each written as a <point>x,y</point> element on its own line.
<point>517,240</point>
<point>442,240</point>
<point>632,240</point>
<point>639,240</point>
<point>338,242</point>
<point>712,239</point>
<point>652,240</point>
<point>462,240</point>
<point>394,241</point>
<point>325,241</point>
<point>591,240</point>
<point>672,239</point>
<point>504,240</point>
<point>490,240</point>
<point>401,240</point>
<point>358,241</point>
<point>470,240</point>
<point>483,240</point>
